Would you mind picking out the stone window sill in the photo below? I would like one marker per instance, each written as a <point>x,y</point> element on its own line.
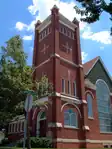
<point>106,132</point>
<point>70,95</point>
<point>70,127</point>
<point>91,118</point>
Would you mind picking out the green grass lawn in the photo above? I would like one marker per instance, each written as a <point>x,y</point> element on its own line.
<point>14,148</point>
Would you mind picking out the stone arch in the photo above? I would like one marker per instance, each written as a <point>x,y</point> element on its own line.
<point>89,92</point>
<point>72,105</point>
<point>39,118</point>
<point>103,82</point>
<point>36,111</point>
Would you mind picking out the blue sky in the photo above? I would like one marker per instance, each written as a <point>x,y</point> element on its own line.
<point>19,17</point>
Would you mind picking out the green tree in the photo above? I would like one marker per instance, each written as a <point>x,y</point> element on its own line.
<point>15,78</point>
<point>93,9</point>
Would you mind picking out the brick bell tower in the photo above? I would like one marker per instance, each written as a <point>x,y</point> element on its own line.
<point>57,54</point>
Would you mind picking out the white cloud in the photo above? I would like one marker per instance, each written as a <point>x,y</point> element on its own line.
<point>84,56</point>
<point>83,26</point>
<point>102,36</point>
<point>46,5</point>
<point>27,37</point>
<point>67,9</point>
<point>20,26</point>
<point>33,8</point>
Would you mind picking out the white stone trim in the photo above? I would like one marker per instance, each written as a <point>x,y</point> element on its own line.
<point>45,106</point>
<point>89,92</point>
<point>69,62</point>
<point>70,127</point>
<point>67,140</point>
<point>84,101</point>
<point>110,94</point>
<point>73,105</point>
<point>90,118</point>
<point>70,99</point>
<point>41,100</point>
<point>57,125</point>
<point>58,94</point>
<point>44,24</point>
<point>46,61</point>
<point>86,128</point>
<point>99,141</point>
<point>58,56</point>
<point>66,22</point>
<point>89,84</point>
<point>81,66</point>
<point>63,59</point>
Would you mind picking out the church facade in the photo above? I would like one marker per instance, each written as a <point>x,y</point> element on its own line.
<point>79,115</point>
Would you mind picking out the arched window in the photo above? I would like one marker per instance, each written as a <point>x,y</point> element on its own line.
<point>43,116</point>
<point>90,107</point>
<point>70,118</point>
<point>103,103</point>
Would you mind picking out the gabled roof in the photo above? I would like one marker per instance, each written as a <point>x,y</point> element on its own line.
<point>90,64</point>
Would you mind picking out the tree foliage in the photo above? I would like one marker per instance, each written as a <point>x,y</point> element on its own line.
<point>15,78</point>
<point>93,9</point>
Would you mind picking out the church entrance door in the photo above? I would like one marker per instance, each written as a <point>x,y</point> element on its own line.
<point>43,128</point>
<point>41,124</point>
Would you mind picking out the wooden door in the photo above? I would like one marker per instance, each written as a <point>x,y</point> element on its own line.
<point>43,128</point>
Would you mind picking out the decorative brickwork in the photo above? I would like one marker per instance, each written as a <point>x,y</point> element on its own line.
<point>57,54</point>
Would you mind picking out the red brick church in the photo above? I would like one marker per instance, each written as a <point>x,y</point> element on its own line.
<point>79,115</point>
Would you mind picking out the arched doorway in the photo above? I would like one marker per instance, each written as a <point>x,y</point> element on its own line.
<point>41,124</point>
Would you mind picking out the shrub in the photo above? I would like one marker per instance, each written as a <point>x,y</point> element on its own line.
<point>4,142</point>
<point>37,143</point>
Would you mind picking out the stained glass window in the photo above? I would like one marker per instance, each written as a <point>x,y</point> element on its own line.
<point>89,102</point>
<point>43,115</point>
<point>70,118</point>
<point>103,104</point>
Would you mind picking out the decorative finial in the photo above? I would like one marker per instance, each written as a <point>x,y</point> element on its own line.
<point>55,7</point>
<point>39,22</point>
<point>75,21</point>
